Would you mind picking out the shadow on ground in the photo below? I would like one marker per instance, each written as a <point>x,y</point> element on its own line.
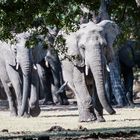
<point>59,133</point>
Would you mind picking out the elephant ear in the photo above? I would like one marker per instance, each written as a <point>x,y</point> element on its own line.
<point>8,52</point>
<point>73,51</point>
<point>110,31</point>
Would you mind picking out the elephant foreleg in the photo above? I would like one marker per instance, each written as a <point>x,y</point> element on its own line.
<point>98,107</point>
<point>84,100</point>
<point>96,103</point>
<point>45,85</point>
<point>128,83</point>
<point>34,97</point>
<point>55,85</point>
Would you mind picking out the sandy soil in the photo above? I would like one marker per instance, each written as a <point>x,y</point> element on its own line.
<point>68,119</point>
<point>126,119</point>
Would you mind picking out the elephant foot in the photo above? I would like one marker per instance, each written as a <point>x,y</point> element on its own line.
<point>13,114</point>
<point>48,103</point>
<point>35,111</point>
<point>86,116</point>
<point>131,105</point>
<point>130,100</point>
<point>57,100</point>
<point>112,112</point>
<point>62,102</point>
<point>65,102</point>
<point>100,119</point>
<point>26,115</point>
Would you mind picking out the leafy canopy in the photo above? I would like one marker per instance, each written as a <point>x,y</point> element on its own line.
<point>20,15</point>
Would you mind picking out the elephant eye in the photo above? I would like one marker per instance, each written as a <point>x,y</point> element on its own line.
<point>97,38</point>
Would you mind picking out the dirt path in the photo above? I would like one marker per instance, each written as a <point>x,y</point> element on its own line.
<point>125,120</point>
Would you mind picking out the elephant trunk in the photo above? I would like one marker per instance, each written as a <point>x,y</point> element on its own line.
<point>96,66</point>
<point>25,65</point>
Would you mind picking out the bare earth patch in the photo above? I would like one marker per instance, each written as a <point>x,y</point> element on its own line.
<point>63,121</point>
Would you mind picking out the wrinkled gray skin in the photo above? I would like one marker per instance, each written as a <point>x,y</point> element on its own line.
<point>56,79</point>
<point>87,46</point>
<point>129,57</point>
<point>16,72</point>
<point>50,74</point>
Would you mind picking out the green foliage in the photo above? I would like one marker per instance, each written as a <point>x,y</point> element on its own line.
<point>20,15</point>
<point>126,14</point>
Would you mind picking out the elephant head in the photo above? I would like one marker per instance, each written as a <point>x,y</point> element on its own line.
<point>87,45</point>
<point>110,32</point>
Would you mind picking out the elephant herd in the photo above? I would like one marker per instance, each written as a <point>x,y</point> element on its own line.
<point>23,74</point>
<point>28,74</point>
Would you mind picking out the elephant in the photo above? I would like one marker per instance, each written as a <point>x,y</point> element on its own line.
<point>50,72</point>
<point>18,77</point>
<point>85,58</point>
<point>129,57</point>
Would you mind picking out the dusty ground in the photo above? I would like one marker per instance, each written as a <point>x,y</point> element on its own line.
<point>125,120</point>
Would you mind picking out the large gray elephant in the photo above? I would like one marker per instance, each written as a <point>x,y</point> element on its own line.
<point>129,57</point>
<point>86,51</point>
<point>16,72</point>
<point>49,70</point>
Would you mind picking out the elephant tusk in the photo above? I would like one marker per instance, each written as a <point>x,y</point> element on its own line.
<point>107,67</point>
<point>62,88</point>
<point>17,66</point>
<point>86,70</point>
<point>47,63</point>
<point>34,66</point>
<point>9,84</point>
